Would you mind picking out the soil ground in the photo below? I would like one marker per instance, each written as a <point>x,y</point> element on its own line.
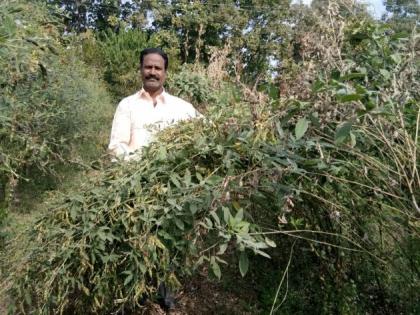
<point>202,295</point>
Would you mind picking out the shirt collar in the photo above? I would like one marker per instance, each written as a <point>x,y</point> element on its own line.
<point>160,98</point>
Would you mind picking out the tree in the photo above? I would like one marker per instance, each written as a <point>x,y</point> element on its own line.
<point>254,29</point>
<point>403,15</point>
<point>80,15</point>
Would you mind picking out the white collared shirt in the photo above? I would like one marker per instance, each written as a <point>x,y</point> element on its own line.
<point>137,119</point>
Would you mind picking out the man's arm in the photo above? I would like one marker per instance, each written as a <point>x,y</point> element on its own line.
<point>121,132</point>
<point>192,112</point>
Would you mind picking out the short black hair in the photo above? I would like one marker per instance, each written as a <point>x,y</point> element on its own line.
<point>158,51</point>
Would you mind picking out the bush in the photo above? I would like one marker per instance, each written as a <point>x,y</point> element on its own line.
<point>50,101</point>
<point>192,84</point>
<point>208,187</point>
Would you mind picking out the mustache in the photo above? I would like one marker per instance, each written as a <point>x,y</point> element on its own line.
<point>152,77</point>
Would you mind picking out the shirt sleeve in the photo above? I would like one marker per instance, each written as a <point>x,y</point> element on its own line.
<point>197,114</point>
<point>193,113</point>
<point>121,132</point>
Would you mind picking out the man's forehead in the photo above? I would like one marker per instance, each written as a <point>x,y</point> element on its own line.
<point>153,58</point>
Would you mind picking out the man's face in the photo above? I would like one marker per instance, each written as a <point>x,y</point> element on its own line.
<point>153,72</point>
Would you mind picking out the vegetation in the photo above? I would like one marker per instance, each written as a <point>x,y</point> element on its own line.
<point>52,106</point>
<point>302,178</point>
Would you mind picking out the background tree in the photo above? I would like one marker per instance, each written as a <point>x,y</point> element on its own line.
<point>255,30</point>
<point>81,15</point>
<point>403,15</point>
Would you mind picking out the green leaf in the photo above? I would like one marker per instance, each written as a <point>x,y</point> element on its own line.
<point>193,208</point>
<point>342,132</point>
<point>335,74</point>
<point>200,261</point>
<point>243,227</point>
<point>280,131</point>
<point>162,154</point>
<point>270,242</point>
<point>78,198</point>
<point>352,140</point>
<point>239,215</point>
<point>315,119</point>
<point>199,176</point>
<point>243,263</point>
<point>175,180</point>
<point>179,223</point>
<point>260,245</point>
<point>74,212</point>
<point>354,75</point>
<point>260,252</point>
<point>226,214</point>
<point>222,249</point>
<point>101,235</point>
<point>396,58</point>
<point>85,290</point>
<point>143,268</point>
<point>220,260</point>
<point>301,128</point>
<point>213,180</point>
<point>385,74</point>
<point>187,178</point>
<point>208,224</point>
<point>348,97</point>
<point>236,205</point>
<point>216,269</point>
<point>128,279</point>
<point>318,86</point>
<point>172,202</point>
<point>215,217</point>
<point>360,89</point>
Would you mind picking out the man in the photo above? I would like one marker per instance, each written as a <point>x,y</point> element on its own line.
<point>139,116</point>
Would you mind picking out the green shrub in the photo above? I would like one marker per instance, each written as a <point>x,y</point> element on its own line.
<point>193,85</point>
<point>208,187</point>
<point>149,230</point>
<point>50,102</point>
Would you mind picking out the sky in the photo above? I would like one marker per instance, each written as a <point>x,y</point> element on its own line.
<point>376,7</point>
